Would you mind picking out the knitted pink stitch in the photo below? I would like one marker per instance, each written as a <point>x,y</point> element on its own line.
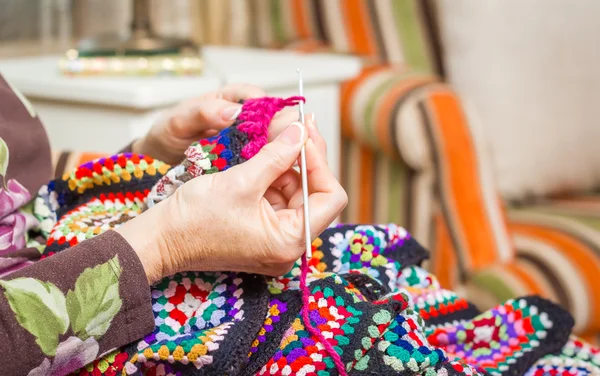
<point>311,329</point>
<point>257,115</point>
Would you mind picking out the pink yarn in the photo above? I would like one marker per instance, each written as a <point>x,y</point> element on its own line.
<point>256,115</point>
<point>311,329</point>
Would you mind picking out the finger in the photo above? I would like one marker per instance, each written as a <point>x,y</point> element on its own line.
<point>280,122</point>
<point>197,115</point>
<point>288,183</point>
<point>276,198</point>
<point>319,175</point>
<point>296,200</point>
<point>327,198</point>
<point>238,92</point>
<point>274,159</point>
<point>315,136</point>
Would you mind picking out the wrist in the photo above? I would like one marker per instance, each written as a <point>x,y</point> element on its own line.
<point>145,146</point>
<point>145,237</point>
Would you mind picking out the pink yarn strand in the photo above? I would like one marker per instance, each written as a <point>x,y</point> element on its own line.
<point>311,329</point>
<point>256,116</point>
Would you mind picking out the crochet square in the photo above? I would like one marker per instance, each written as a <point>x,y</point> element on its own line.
<point>205,323</point>
<point>509,338</point>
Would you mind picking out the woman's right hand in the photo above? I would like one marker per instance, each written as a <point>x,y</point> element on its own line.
<point>248,218</point>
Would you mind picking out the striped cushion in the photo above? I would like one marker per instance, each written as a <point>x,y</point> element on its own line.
<point>562,237</point>
<point>558,256</point>
<point>381,185</point>
<point>371,103</point>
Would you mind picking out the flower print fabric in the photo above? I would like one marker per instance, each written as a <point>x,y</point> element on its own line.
<point>73,307</point>
<point>13,223</point>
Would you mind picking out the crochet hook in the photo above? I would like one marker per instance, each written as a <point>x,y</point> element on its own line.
<point>303,173</point>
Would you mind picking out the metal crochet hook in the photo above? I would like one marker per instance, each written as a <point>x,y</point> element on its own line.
<point>304,174</point>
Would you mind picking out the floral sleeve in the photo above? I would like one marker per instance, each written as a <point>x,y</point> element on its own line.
<point>63,312</point>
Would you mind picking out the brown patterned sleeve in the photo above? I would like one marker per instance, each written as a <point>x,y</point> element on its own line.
<point>68,309</point>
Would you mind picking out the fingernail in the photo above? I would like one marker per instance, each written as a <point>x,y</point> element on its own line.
<point>312,117</point>
<point>293,134</point>
<point>230,113</point>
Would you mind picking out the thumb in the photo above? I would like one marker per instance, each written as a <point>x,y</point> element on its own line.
<point>276,157</point>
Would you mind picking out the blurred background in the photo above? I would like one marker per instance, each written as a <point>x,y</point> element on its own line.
<point>474,124</point>
<point>52,26</point>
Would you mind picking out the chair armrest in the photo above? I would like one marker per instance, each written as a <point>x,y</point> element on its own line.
<point>378,180</point>
<point>372,103</point>
<point>416,127</point>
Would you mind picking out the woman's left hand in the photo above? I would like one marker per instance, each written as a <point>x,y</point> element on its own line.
<point>199,118</point>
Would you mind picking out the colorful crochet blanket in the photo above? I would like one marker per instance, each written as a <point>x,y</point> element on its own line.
<point>370,309</point>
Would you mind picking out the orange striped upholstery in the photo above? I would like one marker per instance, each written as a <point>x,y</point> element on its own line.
<point>468,199</point>
<point>382,186</point>
<point>391,117</point>
<point>558,256</point>
<point>562,237</point>
<point>443,254</point>
<point>386,31</point>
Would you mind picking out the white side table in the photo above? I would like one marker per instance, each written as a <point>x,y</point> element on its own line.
<point>104,113</point>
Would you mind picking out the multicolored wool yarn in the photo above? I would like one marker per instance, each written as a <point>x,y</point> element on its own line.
<point>361,306</point>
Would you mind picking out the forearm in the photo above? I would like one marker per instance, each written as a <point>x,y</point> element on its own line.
<point>146,238</point>
<point>77,304</point>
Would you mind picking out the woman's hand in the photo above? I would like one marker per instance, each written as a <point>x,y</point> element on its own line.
<point>248,218</point>
<point>199,118</point>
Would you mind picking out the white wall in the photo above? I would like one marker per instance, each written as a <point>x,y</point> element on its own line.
<point>532,71</point>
